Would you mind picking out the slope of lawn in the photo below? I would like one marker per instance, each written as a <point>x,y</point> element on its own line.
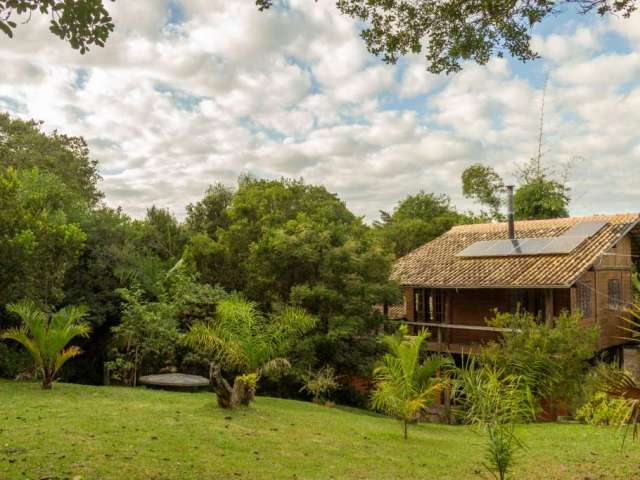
<point>80,432</point>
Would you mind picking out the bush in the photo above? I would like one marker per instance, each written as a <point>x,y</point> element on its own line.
<point>321,383</point>
<point>553,360</point>
<point>601,410</point>
<point>13,362</point>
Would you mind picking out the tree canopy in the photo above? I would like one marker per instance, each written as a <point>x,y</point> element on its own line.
<point>450,32</point>
<point>416,220</point>
<point>540,194</point>
<point>82,24</point>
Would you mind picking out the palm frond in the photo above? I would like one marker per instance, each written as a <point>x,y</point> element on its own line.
<point>64,355</point>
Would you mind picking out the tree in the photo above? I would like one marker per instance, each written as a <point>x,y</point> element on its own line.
<point>540,193</point>
<point>405,386</point>
<point>149,329</point>
<point>40,235</point>
<point>292,243</point>
<point>483,184</point>
<point>81,24</point>
<point>242,339</point>
<point>494,401</point>
<point>23,145</point>
<point>163,235</point>
<point>417,220</point>
<point>453,31</point>
<point>45,336</point>
<point>210,213</point>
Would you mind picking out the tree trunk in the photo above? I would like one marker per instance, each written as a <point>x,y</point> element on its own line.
<point>405,429</point>
<point>47,379</point>
<point>224,392</point>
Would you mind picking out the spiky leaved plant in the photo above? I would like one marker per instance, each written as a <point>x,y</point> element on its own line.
<point>405,385</point>
<point>494,402</point>
<point>46,336</point>
<point>242,339</point>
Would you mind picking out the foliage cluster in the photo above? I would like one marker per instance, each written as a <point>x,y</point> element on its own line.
<point>552,359</point>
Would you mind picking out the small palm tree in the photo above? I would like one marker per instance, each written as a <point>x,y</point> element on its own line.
<point>45,336</point>
<point>242,339</point>
<point>405,386</point>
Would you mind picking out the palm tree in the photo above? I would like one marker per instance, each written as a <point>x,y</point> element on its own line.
<point>242,339</point>
<point>45,336</point>
<point>405,386</point>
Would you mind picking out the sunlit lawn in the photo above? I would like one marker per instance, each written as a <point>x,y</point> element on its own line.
<point>119,433</point>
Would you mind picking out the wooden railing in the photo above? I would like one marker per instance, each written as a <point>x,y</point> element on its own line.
<point>440,344</point>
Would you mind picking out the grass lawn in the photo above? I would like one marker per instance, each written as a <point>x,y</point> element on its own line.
<point>86,432</point>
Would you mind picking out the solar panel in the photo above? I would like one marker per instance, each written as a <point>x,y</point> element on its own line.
<point>532,246</point>
<point>477,249</point>
<point>563,244</point>
<point>584,229</point>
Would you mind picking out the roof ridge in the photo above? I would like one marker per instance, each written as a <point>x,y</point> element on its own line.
<point>561,221</point>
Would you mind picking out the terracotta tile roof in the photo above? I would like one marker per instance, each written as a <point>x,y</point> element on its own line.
<point>395,312</point>
<point>435,264</point>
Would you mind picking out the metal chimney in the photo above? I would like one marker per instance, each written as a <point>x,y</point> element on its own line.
<point>510,219</point>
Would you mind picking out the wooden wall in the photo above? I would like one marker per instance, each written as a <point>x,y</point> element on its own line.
<point>475,306</point>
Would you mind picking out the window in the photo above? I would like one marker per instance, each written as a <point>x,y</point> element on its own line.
<point>614,294</point>
<point>584,298</point>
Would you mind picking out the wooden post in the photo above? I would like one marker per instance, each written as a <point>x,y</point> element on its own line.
<point>548,307</point>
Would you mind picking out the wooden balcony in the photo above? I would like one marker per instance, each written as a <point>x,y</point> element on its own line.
<point>441,337</point>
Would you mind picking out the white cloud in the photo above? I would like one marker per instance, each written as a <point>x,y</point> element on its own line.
<point>169,109</point>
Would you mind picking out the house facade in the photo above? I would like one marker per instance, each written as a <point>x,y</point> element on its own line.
<point>453,284</point>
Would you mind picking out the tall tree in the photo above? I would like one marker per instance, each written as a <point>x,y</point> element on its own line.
<point>24,145</point>
<point>417,220</point>
<point>81,23</point>
<point>210,213</point>
<point>450,32</point>
<point>289,242</point>
<point>40,235</point>
<point>540,194</point>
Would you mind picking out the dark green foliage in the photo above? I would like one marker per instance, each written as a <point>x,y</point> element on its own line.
<point>210,213</point>
<point>450,32</point>
<point>145,338</point>
<point>40,237</point>
<point>81,23</point>
<point>541,197</point>
<point>23,145</point>
<point>13,361</point>
<point>291,243</point>
<point>417,220</point>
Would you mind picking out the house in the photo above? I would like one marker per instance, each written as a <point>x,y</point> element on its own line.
<point>454,283</point>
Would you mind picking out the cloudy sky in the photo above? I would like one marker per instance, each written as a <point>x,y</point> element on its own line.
<point>188,93</point>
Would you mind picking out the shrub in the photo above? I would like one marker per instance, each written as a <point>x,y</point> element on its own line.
<point>601,410</point>
<point>147,335</point>
<point>553,360</point>
<point>321,383</point>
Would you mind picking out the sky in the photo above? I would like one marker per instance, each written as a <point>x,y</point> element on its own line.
<point>193,92</point>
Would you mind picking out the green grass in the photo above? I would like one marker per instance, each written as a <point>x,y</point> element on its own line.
<point>121,433</point>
